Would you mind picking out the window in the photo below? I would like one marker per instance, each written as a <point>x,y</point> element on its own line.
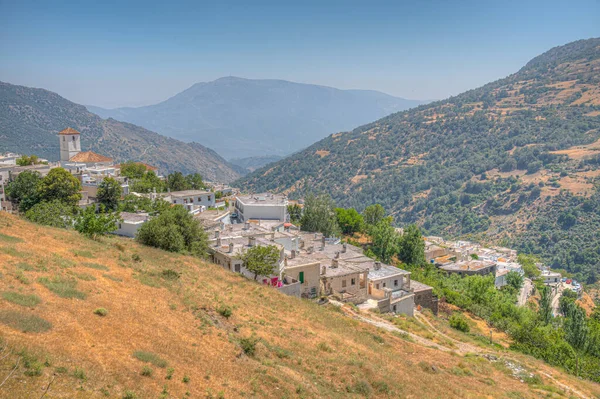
<point>353,281</point>
<point>185,200</point>
<point>199,199</point>
<point>209,198</point>
<point>64,138</point>
<point>343,283</point>
<point>377,286</point>
<point>395,283</point>
<point>383,285</point>
<point>73,138</point>
<point>301,277</point>
<point>174,201</point>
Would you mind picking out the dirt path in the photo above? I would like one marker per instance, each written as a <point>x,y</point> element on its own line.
<point>524,293</point>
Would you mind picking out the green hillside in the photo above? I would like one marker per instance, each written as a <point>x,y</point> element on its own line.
<point>515,161</point>
<point>30,119</point>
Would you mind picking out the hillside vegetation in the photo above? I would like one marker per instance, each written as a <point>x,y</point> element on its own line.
<point>91,319</point>
<point>254,117</point>
<point>31,118</point>
<point>516,162</point>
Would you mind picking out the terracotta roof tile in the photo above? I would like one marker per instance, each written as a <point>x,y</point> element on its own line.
<point>69,130</point>
<point>89,157</point>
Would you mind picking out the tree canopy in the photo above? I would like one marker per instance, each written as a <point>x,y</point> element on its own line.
<point>319,215</point>
<point>261,260</point>
<point>60,185</point>
<point>109,193</point>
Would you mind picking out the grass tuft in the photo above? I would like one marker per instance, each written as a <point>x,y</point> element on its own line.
<point>96,266</point>
<point>21,299</point>
<point>83,253</point>
<point>150,357</point>
<point>24,322</point>
<point>63,287</point>
<point>10,239</point>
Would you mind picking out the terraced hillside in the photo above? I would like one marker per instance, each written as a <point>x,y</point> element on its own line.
<point>31,118</point>
<point>93,319</point>
<point>516,161</point>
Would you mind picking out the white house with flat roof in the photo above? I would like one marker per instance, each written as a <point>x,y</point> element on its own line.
<point>262,207</point>
<point>193,197</point>
<point>130,223</point>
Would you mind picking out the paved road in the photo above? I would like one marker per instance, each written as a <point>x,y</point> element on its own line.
<point>556,299</point>
<point>525,292</point>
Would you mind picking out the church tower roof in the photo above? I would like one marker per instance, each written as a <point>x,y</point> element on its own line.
<point>68,130</point>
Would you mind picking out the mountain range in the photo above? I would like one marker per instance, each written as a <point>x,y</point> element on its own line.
<point>244,117</point>
<point>30,119</point>
<point>514,162</point>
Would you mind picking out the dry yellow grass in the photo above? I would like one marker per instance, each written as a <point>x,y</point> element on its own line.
<point>303,350</point>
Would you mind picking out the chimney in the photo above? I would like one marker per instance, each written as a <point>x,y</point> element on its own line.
<point>285,261</point>
<point>251,241</point>
<point>272,235</point>
<point>337,254</point>
<point>334,263</point>
<point>217,234</point>
<point>230,227</point>
<point>219,242</point>
<point>344,248</point>
<point>246,225</point>
<point>301,244</point>
<point>322,243</point>
<point>316,235</point>
<point>377,265</point>
<point>230,247</point>
<point>323,269</point>
<point>310,249</point>
<point>293,253</point>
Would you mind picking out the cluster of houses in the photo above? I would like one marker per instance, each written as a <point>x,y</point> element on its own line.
<point>309,264</point>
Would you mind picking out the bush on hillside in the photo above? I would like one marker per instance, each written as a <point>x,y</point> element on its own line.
<point>174,230</point>
<point>459,322</point>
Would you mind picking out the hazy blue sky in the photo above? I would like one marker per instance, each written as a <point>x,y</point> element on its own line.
<point>117,53</point>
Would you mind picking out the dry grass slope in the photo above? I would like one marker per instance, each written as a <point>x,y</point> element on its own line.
<point>165,333</point>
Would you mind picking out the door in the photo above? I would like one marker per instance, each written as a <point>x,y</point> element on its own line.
<point>301,277</point>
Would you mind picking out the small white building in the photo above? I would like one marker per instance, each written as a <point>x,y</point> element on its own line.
<point>130,223</point>
<point>262,207</point>
<point>550,278</point>
<point>193,197</point>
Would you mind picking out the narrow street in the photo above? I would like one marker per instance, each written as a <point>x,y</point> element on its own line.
<point>525,292</point>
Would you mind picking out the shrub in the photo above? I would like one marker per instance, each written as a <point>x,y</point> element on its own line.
<point>361,387</point>
<point>33,367</point>
<point>169,274</point>
<point>150,357</point>
<point>101,312</point>
<point>129,395</point>
<point>248,345</point>
<point>224,311</point>
<point>21,299</point>
<point>170,372</point>
<point>147,371</point>
<point>186,379</point>
<point>459,322</point>
<point>24,322</point>
<point>322,346</point>
<point>136,258</point>
<point>54,213</point>
<point>63,287</point>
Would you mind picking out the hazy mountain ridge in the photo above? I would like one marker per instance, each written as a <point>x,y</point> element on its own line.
<point>30,118</point>
<point>487,162</point>
<point>243,117</point>
<point>252,163</point>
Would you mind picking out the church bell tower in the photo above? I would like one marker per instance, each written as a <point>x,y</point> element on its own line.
<point>70,143</point>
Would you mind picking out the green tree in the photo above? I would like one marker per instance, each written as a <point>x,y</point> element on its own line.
<point>577,331</point>
<point>133,203</point>
<point>60,185</point>
<point>109,193</point>
<point>177,182</point>
<point>148,183</point>
<point>175,230</point>
<point>528,263</point>
<point>411,246</point>
<point>93,224</point>
<point>373,214</point>
<point>133,170</point>
<point>295,212</point>
<point>319,215</point>
<point>545,310</point>
<point>24,190</point>
<point>261,260</point>
<point>384,240</point>
<point>54,213</point>
<point>349,220</point>
<point>25,160</point>
<point>514,280</point>
<point>194,182</point>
